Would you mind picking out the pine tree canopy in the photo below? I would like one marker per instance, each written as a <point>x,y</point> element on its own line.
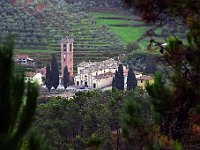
<point>178,93</point>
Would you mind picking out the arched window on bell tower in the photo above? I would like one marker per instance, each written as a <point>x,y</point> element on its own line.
<point>64,47</point>
<point>70,47</point>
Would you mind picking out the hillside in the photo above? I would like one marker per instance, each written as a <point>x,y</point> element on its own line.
<point>99,30</point>
<point>92,42</point>
<point>23,26</point>
<point>126,26</point>
<point>58,19</point>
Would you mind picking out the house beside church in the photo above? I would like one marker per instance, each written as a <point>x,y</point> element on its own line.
<point>24,60</point>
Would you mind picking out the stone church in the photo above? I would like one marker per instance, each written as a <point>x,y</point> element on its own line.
<point>96,75</point>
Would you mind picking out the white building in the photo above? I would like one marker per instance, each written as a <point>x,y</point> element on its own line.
<point>96,75</point>
<point>24,60</point>
<point>33,78</point>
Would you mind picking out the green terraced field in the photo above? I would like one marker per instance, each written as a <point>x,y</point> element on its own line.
<point>127,34</point>
<point>114,22</point>
<point>99,14</point>
<point>32,51</point>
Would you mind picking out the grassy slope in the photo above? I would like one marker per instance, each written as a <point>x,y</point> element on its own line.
<point>113,22</point>
<point>126,34</point>
<point>100,14</point>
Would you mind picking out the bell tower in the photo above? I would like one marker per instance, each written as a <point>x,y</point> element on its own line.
<point>67,55</point>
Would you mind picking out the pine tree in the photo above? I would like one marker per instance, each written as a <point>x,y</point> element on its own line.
<point>175,98</point>
<point>48,80</point>
<point>54,72</point>
<point>135,119</point>
<point>17,107</point>
<point>131,80</point>
<point>66,78</point>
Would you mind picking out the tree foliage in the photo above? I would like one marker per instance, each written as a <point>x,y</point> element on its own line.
<point>136,119</point>
<point>118,80</point>
<point>131,80</point>
<point>48,80</point>
<point>176,95</point>
<point>17,107</point>
<point>76,123</point>
<point>54,72</point>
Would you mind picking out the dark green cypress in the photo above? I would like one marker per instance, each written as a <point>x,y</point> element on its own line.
<point>54,72</point>
<point>66,78</point>
<point>131,80</point>
<point>118,80</point>
<point>48,80</point>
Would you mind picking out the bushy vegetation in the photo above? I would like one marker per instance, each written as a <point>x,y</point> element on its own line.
<point>18,102</point>
<point>90,117</point>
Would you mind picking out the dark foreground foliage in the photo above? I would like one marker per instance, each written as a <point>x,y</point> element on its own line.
<point>18,103</point>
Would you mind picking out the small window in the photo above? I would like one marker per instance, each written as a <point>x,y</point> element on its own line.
<point>141,81</point>
<point>70,47</point>
<point>77,83</point>
<point>94,86</point>
<point>64,47</point>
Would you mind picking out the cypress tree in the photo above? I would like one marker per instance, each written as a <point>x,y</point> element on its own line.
<point>54,72</point>
<point>131,80</point>
<point>120,78</point>
<point>66,78</point>
<point>48,80</point>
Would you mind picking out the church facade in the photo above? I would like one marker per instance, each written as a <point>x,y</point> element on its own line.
<point>95,75</point>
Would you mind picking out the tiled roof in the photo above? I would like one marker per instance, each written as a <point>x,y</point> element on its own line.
<point>103,76</point>
<point>91,66</point>
<point>29,74</point>
<point>145,77</point>
<point>21,56</point>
